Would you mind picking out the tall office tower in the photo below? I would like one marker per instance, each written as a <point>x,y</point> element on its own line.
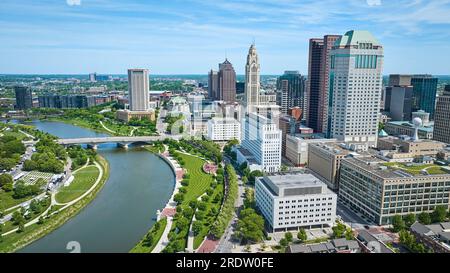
<point>442,117</point>
<point>213,85</point>
<point>318,82</point>
<point>252,84</point>
<point>24,99</point>
<point>227,82</point>
<point>138,89</point>
<point>93,77</point>
<point>398,102</point>
<point>424,93</point>
<point>292,86</point>
<point>262,138</point>
<point>355,87</point>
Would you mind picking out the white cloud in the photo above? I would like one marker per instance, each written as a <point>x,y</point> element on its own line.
<point>73,2</point>
<point>373,2</point>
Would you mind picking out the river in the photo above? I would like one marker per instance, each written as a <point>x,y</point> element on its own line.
<point>139,184</point>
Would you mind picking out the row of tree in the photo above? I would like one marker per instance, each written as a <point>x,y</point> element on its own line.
<point>440,214</point>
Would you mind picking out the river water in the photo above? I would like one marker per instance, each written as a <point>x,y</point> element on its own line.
<point>139,184</point>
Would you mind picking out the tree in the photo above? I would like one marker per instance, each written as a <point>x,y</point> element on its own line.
<point>182,223</point>
<point>8,187</point>
<point>179,197</point>
<point>284,242</point>
<point>41,220</point>
<point>339,230</point>
<point>244,179</point>
<point>288,236</point>
<point>5,179</point>
<point>301,235</point>
<point>250,226</point>
<point>398,223</point>
<point>197,227</point>
<point>424,218</point>
<point>410,219</point>
<point>439,214</point>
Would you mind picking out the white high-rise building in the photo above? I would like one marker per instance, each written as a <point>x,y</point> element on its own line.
<point>252,84</point>
<point>262,138</point>
<point>295,200</point>
<point>224,129</point>
<point>355,87</point>
<point>138,89</point>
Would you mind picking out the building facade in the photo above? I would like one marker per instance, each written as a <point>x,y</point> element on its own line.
<point>63,101</point>
<point>297,147</point>
<point>138,89</point>
<point>252,79</point>
<point>262,138</point>
<point>380,193</point>
<point>292,87</point>
<point>224,129</point>
<point>398,102</point>
<point>442,117</point>
<point>318,82</point>
<point>213,85</point>
<point>355,87</point>
<point>227,82</point>
<point>290,202</point>
<point>424,93</point>
<point>24,97</point>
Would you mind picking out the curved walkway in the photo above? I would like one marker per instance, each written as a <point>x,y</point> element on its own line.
<point>106,128</point>
<point>54,202</point>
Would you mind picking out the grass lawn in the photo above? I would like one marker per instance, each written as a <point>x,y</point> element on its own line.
<point>83,181</point>
<point>17,135</point>
<point>199,181</point>
<point>143,246</point>
<point>414,169</point>
<point>7,200</point>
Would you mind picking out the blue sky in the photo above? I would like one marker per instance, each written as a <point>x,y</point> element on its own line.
<point>192,36</point>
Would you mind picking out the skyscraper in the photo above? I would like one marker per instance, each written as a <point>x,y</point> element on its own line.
<point>24,99</point>
<point>93,77</point>
<point>138,89</point>
<point>318,82</point>
<point>424,93</point>
<point>292,87</point>
<point>213,85</point>
<point>227,82</point>
<point>355,87</point>
<point>252,78</point>
<point>442,117</point>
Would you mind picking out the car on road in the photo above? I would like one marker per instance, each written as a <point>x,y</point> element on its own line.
<point>366,226</point>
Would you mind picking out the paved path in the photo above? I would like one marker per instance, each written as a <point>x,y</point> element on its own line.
<point>106,128</point>
<point>53,201</point>
<point>164,239</point>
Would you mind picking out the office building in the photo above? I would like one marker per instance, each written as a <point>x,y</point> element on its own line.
<point>406,128</point>
<point>252,78</point>
<point>318,97</point>
<point>138,89</point>
<point>442,117</point>
<point>355,87</point>
<point>292,87</point>
<point>297,147</point>
<point>227,82</point>
<point>24,97</point>
<point>63,101</point>
<point>223,129</point>
<point>93,77</point>
<point>126,115</point>
<point>398,102</point>
<point>213,85</point>
<point>380,192</point>
<point>290,202</point>
<point>262,138</point>
<point>424,93</point>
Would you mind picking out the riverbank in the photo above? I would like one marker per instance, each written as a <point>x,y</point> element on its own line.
<point>16,241</point>
<point>84,125</point>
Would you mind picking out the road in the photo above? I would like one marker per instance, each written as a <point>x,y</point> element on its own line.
<point>353,219</point>
<point>226,242</point>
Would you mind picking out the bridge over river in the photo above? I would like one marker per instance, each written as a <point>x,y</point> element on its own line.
<point>122,141</point>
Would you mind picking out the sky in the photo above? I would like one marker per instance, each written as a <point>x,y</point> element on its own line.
<point>193,36</point>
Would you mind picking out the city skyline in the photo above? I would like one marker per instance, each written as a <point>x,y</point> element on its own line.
<point>109,36</point>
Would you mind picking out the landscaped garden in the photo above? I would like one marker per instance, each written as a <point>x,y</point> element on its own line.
<point>416,169</point>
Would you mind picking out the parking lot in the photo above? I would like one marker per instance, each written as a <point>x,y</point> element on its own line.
<point>30,178</point>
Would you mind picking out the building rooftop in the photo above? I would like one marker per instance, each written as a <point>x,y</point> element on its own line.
<point>427,128</point>
<point>294,184</point>
<point>355,37</point>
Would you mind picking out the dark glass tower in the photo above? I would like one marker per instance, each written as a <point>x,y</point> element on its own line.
<point>24,99</point>
<point>424,93</point>
<point>227,82</point>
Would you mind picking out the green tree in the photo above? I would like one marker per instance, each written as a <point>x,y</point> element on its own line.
<point>197,227</point>
<point>439,214</point>
<point>179,197</point>
<point>284,243</point>
<point>5,179</point>
<point>301,235</point>
<point>424,218</point>
<point>182,223</point>
<point>250,226</point>
<point>398,223</point>
<point>288,236</point>
<point>410,219</point>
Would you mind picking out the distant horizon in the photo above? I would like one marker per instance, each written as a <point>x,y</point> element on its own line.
<point>63,37</point>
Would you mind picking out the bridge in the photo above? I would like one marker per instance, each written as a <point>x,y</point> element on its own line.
<point>122,141</point>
